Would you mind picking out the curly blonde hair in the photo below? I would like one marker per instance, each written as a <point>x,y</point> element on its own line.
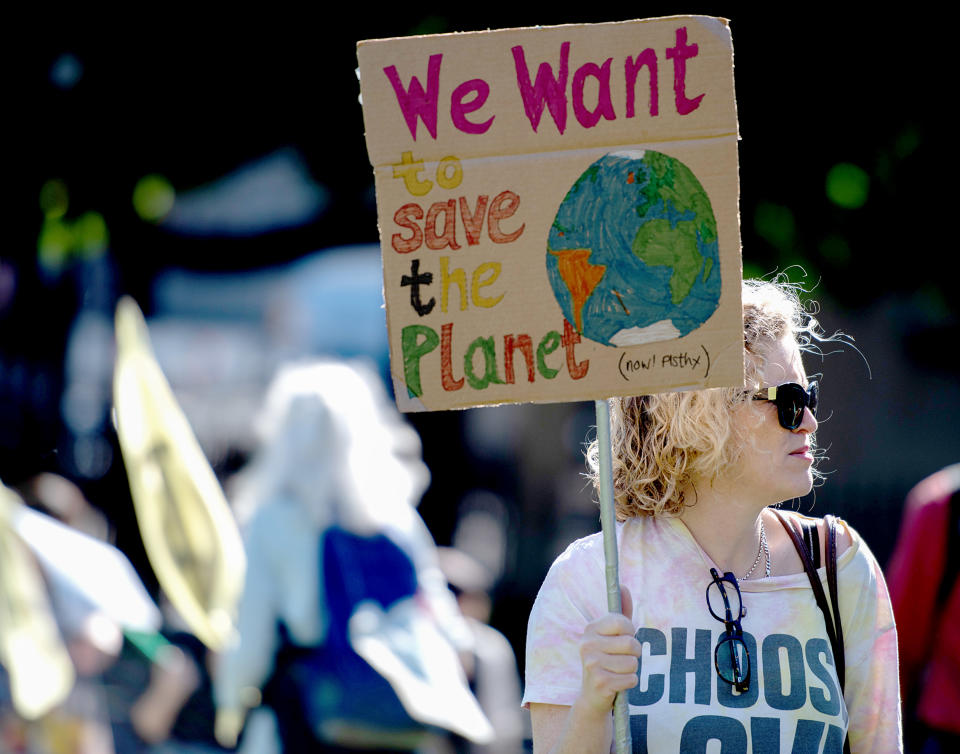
<point>662,442</point>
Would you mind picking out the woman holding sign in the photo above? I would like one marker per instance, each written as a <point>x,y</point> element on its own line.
<point>724,637</point>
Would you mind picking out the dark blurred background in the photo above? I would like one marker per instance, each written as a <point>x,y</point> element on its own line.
<point>214,168</point>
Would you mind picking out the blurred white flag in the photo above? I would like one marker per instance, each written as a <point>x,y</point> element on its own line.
<point>31,650</point>
<point>188,530</point>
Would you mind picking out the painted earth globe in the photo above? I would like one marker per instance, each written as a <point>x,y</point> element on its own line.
<point>632,255</point>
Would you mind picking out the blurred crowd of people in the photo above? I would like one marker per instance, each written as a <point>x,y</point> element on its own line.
<point>353,631</point>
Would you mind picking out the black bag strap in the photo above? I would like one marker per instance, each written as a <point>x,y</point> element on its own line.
<point>802,538</point>
<point>793,528</point>
<point>811,538</point>
<point>838,652</point>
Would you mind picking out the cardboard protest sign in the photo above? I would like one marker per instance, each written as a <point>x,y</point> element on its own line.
<point>558,210</point>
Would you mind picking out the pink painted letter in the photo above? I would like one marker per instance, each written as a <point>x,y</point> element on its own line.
<point>459,108</point>
<point>547,89</point>
<point>680,54</point>
<point>589,118</point>
<point>631,68</point>
<point>414,101</point>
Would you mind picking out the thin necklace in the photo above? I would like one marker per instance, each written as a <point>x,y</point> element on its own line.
<point>763,549</point>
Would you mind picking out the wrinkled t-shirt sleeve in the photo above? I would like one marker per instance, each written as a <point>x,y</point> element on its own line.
<point>872,690</point>
<point>573,594</point>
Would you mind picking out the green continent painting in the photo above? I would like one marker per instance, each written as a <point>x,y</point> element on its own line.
<point>633,255</point>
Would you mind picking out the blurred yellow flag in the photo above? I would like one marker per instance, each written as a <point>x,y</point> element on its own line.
<point>40,670</point>
<point>188,530</point>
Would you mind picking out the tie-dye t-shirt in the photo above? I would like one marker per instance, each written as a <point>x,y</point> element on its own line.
<point>793,702</point>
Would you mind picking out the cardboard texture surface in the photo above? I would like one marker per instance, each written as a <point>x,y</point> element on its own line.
<point>558,210</point>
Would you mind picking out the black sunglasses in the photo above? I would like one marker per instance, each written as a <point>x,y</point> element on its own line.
<point>731,658</point>
<point>791,399</point>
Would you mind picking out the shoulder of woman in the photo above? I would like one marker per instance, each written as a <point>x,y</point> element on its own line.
<point>585,548</point>
<point>847,537</point>
<point>845,534</point>
<point>577,568</point>
<point>571,595</point>
<point>853,552</point>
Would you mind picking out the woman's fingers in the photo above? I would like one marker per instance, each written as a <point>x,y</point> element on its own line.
<point>618,664</point>
<point>602,648</point>
<point>611,624</point>
<point>609,654</point>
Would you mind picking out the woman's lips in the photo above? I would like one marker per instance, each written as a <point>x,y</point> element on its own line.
<point>803,452</point>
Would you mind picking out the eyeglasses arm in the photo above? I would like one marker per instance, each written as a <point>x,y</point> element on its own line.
<point>766,394</point>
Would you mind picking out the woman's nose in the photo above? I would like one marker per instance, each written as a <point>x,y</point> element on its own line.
<point>809,422</point>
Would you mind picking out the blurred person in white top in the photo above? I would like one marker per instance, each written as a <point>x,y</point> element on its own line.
<point>334,451</point>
